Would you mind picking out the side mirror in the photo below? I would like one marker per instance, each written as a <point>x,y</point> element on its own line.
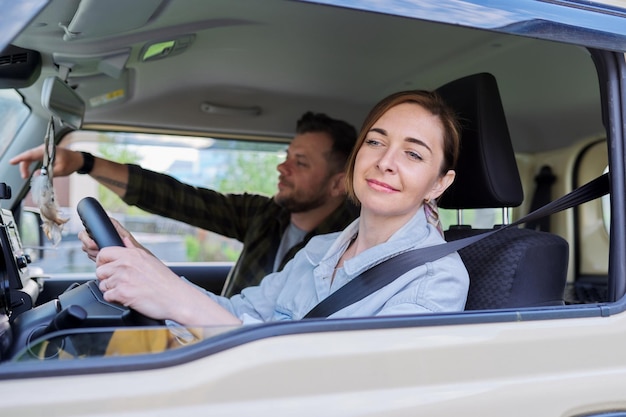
<point>31,234</point>
<point>62,101</point>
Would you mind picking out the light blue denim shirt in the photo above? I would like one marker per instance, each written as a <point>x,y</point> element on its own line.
<point>290,294</point>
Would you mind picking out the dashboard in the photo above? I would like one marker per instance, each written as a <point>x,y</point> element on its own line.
<point>18,291</point>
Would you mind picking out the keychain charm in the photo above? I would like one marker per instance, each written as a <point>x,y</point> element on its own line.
<point>43,191</point>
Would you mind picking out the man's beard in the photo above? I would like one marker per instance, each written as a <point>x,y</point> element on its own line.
<point>298,205</point>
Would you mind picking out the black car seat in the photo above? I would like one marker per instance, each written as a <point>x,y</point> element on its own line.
<point>515,267</point>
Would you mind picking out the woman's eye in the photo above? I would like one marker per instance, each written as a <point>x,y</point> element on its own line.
<point>372,142</point>
<point>414,155</point>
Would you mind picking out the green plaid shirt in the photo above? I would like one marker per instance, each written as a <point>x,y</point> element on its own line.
<point>255,220</point>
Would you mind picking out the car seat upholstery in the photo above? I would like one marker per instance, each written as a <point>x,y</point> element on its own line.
<point>515,267</point>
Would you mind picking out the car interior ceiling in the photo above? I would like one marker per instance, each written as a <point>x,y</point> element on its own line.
<point>254,27</point>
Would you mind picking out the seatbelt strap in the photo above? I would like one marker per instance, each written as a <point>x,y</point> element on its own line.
<point>387,271</point>
<point>542,196</point>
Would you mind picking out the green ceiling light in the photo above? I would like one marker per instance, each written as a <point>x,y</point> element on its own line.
<point>158,50</point>
<point>162,49</point>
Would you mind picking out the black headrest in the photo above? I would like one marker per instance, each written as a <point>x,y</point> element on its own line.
<point>486,173</point>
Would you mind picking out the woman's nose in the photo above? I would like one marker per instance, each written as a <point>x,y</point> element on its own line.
<point>387,162</point>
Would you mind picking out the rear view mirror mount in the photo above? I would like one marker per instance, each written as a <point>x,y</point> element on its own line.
<point>63,102</point>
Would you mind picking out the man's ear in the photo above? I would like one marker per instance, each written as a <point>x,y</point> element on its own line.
<point>442,184</point>
<point>337,184</point>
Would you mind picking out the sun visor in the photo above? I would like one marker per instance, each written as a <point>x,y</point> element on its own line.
<point>112,64</point>
<point>103,91</point>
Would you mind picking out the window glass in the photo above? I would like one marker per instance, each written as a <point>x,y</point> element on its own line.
<point>224,165</point>
<point>104,342</point>
<point>13,112</point>
<point>592,220</point>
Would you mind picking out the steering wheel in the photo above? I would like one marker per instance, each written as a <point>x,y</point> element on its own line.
<point>97,223</point>
<point>101,312</point>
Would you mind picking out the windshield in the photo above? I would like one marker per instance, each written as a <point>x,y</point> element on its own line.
<point>13,112</point>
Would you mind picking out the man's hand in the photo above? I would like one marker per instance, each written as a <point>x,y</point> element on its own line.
<point>66,161</point>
